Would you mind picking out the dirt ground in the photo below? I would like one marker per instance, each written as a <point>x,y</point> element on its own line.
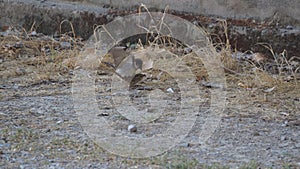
<point>40,129</point>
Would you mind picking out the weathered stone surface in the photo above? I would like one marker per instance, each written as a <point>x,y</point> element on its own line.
<point>259,9</point>
<point>52,17</point>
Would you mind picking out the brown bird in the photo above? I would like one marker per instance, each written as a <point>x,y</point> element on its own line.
<point>125,65</point>
<point>127,69</point>
<point>118,53</point>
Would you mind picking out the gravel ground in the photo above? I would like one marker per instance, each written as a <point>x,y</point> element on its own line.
<point>41,130</point>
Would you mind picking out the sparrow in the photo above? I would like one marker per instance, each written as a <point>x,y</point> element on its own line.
<point>125,65</point>
<point>128,68</point>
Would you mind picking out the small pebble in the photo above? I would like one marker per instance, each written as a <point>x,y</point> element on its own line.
<point>19,45</point>
<point>187,50</point>
<point>284,113</point>
<point>264,32</point>
<point>256,134</point>
<point>65,45</point>
<point>20,71</point>
<point>282,138</point>
<point>289,27</point>
<point>33,33</point>
<point>185,145</point>
<point>103,114</point>
<point>132,128</point>
<point>58,122</point>
<point>15,86</point>
<point>170,90</point>
<point>284,124</point>
<point>284,145</point>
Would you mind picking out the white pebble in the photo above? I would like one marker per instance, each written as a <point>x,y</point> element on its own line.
<point>132,128</point>
<point>170,90</point>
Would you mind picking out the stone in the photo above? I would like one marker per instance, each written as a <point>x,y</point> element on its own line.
<point>132,128</point>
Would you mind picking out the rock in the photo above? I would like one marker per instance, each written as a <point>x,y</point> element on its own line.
<point>65,45</point>
<point>33,33</point>
<point>20,71</point>
<point>187,50</point>
<point>59,122</point>
<point>284,124</point>
<point>19,45</point>
<point>15,86</point>
<point>264,32</point>
<point>282,138</point>
<point>103,114</point>
<point>289,27</point>
<point>185,145</point>
<point>132,128</point>
<point>170,90</point>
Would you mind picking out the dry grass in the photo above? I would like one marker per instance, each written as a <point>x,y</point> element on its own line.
<point>254,89</point>
<point>253,73</point>
<point>40,58</point>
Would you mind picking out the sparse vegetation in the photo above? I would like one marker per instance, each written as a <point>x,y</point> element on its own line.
<point>27,60</point>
